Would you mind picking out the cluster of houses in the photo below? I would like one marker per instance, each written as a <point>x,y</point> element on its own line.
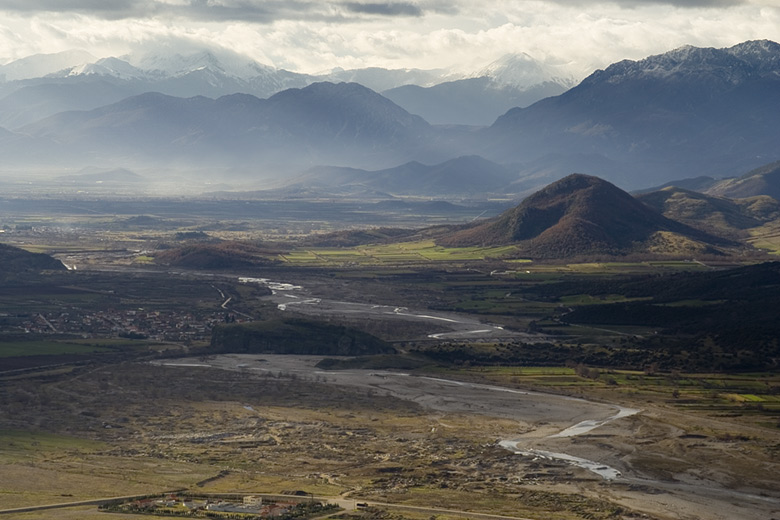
<point>173,505</point>
<point>167,325</point>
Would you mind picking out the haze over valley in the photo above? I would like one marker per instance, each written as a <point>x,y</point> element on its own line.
<point>390,260</point>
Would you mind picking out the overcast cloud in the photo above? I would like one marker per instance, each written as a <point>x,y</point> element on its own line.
<point>311,36</point>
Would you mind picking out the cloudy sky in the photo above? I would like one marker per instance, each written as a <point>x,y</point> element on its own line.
<point>312,36</point>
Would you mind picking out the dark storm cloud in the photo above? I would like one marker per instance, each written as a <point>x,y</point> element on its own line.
<point>384,9</point>
<point>111,9</point>
<point>262,11</point>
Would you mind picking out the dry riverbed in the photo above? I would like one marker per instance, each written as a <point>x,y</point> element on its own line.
<point>644,459</point>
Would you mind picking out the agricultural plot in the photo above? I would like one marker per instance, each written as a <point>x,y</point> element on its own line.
<point>47,348</point>
<point>755,398</point>
<point>402,253</point>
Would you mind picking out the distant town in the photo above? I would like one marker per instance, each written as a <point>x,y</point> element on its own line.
<point>250,507</point>
<point>170,325</point>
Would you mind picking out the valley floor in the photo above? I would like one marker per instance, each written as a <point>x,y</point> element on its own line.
<point>271,423</point>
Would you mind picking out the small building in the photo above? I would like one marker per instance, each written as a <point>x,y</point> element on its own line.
<point>253,501</point>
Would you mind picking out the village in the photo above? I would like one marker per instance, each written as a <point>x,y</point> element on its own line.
<point>157,325</point>
<point>250,507</point>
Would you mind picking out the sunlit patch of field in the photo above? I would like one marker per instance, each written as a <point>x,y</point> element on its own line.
<point>766,237</point>
<point>753,396</point>
<point>81,513</point>
<point>41,468</point>
<point>405,252</point>
<point>300,257</point>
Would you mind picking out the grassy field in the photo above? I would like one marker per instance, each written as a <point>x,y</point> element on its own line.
<point>53,347</point>
<point>45,348</point>
<point>766,237</point>
<point>755,397</point>
<point>407,252</point>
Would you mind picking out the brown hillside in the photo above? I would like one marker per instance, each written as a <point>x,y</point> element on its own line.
<point>582,215</point>
<point>761,181</point>
<point>15,260</point>
<point>223,255</point>
<point>717,215</point>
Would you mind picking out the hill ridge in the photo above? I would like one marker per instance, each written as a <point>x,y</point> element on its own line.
<point>582,214</point>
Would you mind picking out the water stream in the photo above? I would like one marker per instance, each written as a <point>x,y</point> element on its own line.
<point>606,472</point>
<point>583,427</point>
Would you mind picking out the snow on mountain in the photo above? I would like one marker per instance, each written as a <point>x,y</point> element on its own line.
<point>107,67</point>
<point>762,54</point>
<point>225,69</point>
<point>379,79</point>
<point>220,62</point>
<point>521,71</point>
<point>39,65</point>
<point>690,110</point>
<point>733,65</point>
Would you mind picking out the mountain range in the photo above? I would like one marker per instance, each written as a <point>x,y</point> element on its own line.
<point>462,176</point>
<point>688,112</point>
<point>514,80</point>
<point>764,180</point>
<point>694,111</point>
<point>319,123</point>
<point>42,85</point>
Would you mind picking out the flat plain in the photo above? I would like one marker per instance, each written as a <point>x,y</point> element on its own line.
<point>469,416</point>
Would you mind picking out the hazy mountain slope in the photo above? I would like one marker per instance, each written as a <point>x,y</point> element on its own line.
<point>345,112</point>
<point>472,101</point>
<point>42,85</point>
<point>320,123</point>
<point>674,115</point>
<point>581,215</point>
<point>687,111</point>
<point>380,79</point>
<point>38,101</point>
<point>700,184</point>
<point>87,85</point>
<point>514,80</point>
<point>764,180</point>
<point>717,215</point>
<point>115,177</point>
<point>39,65</point>
<point>467,175</point>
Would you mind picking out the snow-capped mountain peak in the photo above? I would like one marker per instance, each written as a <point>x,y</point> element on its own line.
<point>107,67</point>
<point>522,71</point>
<point>764,54</point>
<point>221,63</point>
<point>731,65</point>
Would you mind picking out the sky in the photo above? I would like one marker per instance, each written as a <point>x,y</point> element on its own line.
<point>312,36</point>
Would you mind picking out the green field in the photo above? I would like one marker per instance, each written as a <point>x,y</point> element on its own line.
<point>424,251</point>
<point>45,348</point>
<point>17,443</point>
<point>756,395</point>
<point>54,347</point>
